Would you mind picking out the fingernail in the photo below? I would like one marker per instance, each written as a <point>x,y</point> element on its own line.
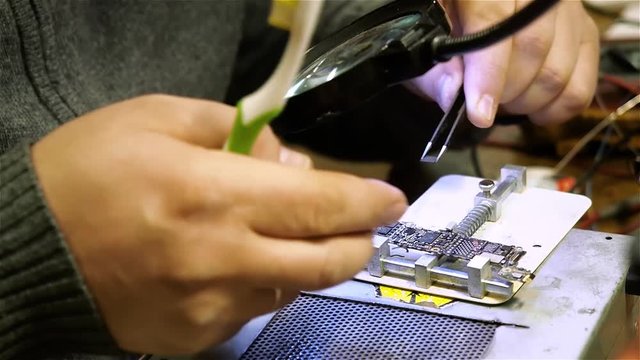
<point>397,208</point>
<point>294,158</point>
<point>486,108</point>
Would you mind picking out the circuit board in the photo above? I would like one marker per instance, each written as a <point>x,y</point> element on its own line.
<point>446,242</point>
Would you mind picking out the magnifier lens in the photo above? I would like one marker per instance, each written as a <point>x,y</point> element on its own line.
<point>351,53</point>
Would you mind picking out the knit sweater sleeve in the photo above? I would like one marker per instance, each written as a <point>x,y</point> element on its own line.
<point>44,306</point>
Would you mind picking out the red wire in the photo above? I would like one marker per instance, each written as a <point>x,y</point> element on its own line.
<point>631,227</point>
<point>593,216</point>
<point>621,82</point>
<point>590,218</point>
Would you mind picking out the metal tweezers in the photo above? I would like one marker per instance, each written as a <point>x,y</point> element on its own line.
<point>441,137</point>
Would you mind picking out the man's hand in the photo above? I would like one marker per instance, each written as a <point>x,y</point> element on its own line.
<point>181,243</point>
<point>547,71</point>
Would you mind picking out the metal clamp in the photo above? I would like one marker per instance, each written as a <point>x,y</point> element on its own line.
<point>489,201</point>
<point>426,270</point>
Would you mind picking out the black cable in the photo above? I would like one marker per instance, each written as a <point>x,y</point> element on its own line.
<point>475,161</point>
<point>445,47</point>
<point>596,164</point>
<point>635,168</point>
<point>597,159</point>
<point>603,143</point>
<point>591,171</point>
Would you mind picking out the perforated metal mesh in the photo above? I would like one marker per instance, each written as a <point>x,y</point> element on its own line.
<point>314,327</point>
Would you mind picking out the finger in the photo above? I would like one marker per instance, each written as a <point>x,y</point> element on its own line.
<point>556,71</point>
<point>252,260</point>
<point>273,299</point>
<point>285,201</point>
<point>267,146</point>
<point>485,71</point>
<point>199,122</point>
<point>305,264</point>
<point>244,306</point>
<point>209,123</point>
<point>291,202</point>
<point>214,314</point>
<point>229,303</point>
<point>578,93</point>
<point>530,49</point>
<point>287,297</point>
<point>295,158</point>
<point>248,303</point>
<point>440,83</point>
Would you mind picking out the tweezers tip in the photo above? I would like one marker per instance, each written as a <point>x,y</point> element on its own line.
<point>426,149</point>
<point>442,150</point>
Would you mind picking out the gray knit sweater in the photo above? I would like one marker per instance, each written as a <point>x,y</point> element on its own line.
<point>62,58</point>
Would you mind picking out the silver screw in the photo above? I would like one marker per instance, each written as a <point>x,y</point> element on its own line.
<point>479,214</point>
<point>486,186</point>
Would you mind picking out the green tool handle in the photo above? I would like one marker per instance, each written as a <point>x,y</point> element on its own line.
<point>244,133</point>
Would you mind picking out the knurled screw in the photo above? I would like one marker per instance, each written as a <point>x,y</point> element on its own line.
<point>486,186</point>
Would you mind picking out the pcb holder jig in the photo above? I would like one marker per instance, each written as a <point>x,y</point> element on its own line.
<point>482,274</point>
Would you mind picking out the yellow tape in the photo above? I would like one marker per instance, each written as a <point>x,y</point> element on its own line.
<point>412,297</point>
<point>395,294</point>
<point>282,13</point>
<point>438,301</point>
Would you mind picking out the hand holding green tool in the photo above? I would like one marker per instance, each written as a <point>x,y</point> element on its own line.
<point>258,109</point>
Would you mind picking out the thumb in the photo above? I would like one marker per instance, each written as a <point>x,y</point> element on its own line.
<point>440,83</point>
<point>484,82</point>
<point>198,122</point>
<point>485,71</point>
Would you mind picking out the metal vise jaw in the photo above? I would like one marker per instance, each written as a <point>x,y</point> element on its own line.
<point>426,271</point>
<point>512,179</point>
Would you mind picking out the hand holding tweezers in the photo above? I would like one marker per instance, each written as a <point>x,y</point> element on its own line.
<point>442,135</point>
